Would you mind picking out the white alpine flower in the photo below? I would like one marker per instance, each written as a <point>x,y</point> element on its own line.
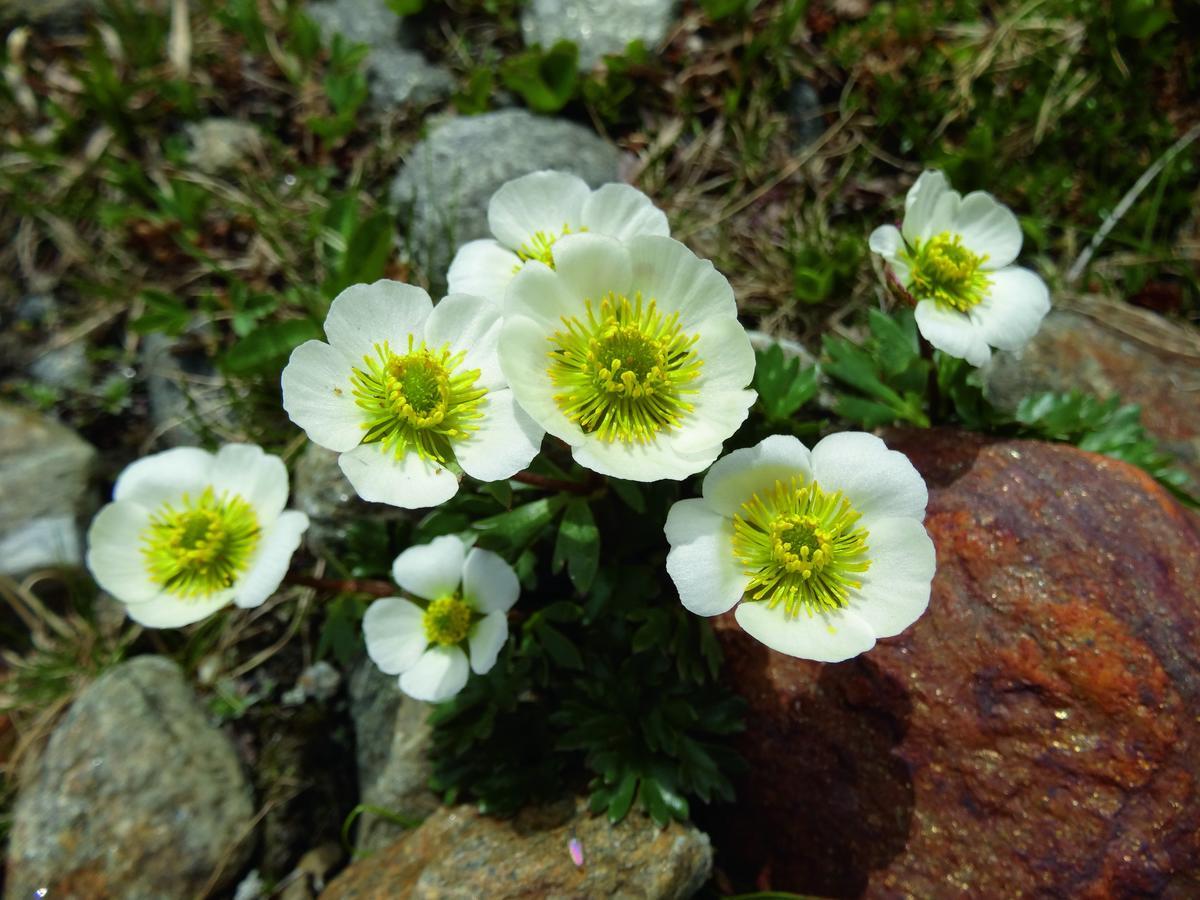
<point>404,389</point>
<point>825,549</point>
<point>954,255</point>
<point>189,532</point>
<point>631,352</point>
<point>465,598</point>
<point>529,214</point>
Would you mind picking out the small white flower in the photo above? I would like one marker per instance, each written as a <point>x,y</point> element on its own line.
<point>466,598</point>
<point>954,255</point>
<point>631,352</point>
<point>189,532</point>
<point>404,389</point>
<point>529,214</point>
<point>825,549</point>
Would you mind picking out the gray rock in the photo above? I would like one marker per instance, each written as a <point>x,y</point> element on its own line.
<point>397,72</point>
<point>444,188</point>
<point>38,309</point>
<point>803,106</point>
<point>45,469</point>
<point>135,796</point>
<point>220,144</point>
<point>392,743</point>
<point>597,29</point>
<point>457,852</point>
<point>321,491</point>
<point>64,367</point>
<point>188,398</point>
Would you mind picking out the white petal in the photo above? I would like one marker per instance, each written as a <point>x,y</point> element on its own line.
<point>541,201</point>
<point>886,241</point>
<point>524,358</point>
<point>431,570</point>
<point>169,475</point>
<point>734,478</point>
<point>621,211</point>
<point>591,265</point>
<point>471,324</point>
<point>726,353</point>
<point>952,332</point>
<point>895,589</point>
<point>717,415</point>
<point>662,459</point>
<point>668,272</point>
<point>878,482</point>
<point>319,397</point>
<point>929,208</point>
<point>168,611</point>
<point>486,641</point>
<point>409,482</point>
<point>489,582</point>
<point>701,561</point>
<point>537,293</point>
<point>394,630</point>
<point>272,559</point>
<point>484,268</point>
<point>114,554</point>
<point>822,637</point>
<point>364,315</point>
<point>505,441</point>
<point>438,675</point>
<point>259,478</point>
<point>1012,312</point>
<point>988,227</point>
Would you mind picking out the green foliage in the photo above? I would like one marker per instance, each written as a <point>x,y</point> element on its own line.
<point>606,676</point>
<point>266,349</point>
<point>721,9</point>
<point>406,7</point>
<point>346,88</point>
<point>783,384</point>
<point>884,380</point>
<point>545,79</point>
<point>1102,426</point>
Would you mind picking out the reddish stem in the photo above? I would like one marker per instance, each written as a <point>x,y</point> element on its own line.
<point>372,586</point>
<point>553,484</point>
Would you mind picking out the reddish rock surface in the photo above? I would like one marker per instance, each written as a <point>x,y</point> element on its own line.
<point>1036,733</point>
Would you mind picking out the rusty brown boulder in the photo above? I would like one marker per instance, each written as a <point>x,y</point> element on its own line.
<point>1034,734</point>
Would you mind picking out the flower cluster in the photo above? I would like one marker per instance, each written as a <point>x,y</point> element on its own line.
<point>584,319</point>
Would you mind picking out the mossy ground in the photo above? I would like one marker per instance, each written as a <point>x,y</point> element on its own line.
<point>775,134</point>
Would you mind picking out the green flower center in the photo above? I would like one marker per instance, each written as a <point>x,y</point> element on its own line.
<point>800,547</point>
<point>540,246</point>
<point>624,373</point>
<point>199,547</point>
<point>418,400</point>
<point>447,620</point>
<point>943,270</point>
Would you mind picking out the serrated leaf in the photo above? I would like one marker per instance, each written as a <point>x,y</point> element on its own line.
<point>631,495</point>
<point>266,349</point>
<point>578,545</point>
<point>560,647</point>
<point>521,526</point>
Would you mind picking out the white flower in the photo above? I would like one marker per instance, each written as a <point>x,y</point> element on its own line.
<point>404,389</point>
<point>631,352</point>
<point>466,600</point>
<point>189,532</point>
<point>825,549</point>
<point>528,215</point>
<point>954,255</point>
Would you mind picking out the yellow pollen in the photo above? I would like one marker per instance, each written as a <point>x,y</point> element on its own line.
<point>447,620</point>
<point>943,270</point>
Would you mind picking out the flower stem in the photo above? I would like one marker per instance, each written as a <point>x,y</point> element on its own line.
<point>371,586</point>
<point>554,484</point>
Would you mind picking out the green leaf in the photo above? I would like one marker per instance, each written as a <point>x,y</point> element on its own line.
<point>622,798</point>
<point>545,79</point>
<point>560,647</point>
<point>367,254</point>
<point>406,7</point>
<point>578,545</point>
<point>783,385</point>
<point>500,491</point>
<point>266,349</point>
<point>164,313</point>
<point>524,524</point>
<point>629,493</point>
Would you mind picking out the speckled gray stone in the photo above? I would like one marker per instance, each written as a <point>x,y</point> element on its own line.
<point>136,796</point>
<point>45,469</point>
<point>392,742</point>
<point>397,72</point>
<point>188,397</point>
<point>596,29</point>
<point>444,188</point>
